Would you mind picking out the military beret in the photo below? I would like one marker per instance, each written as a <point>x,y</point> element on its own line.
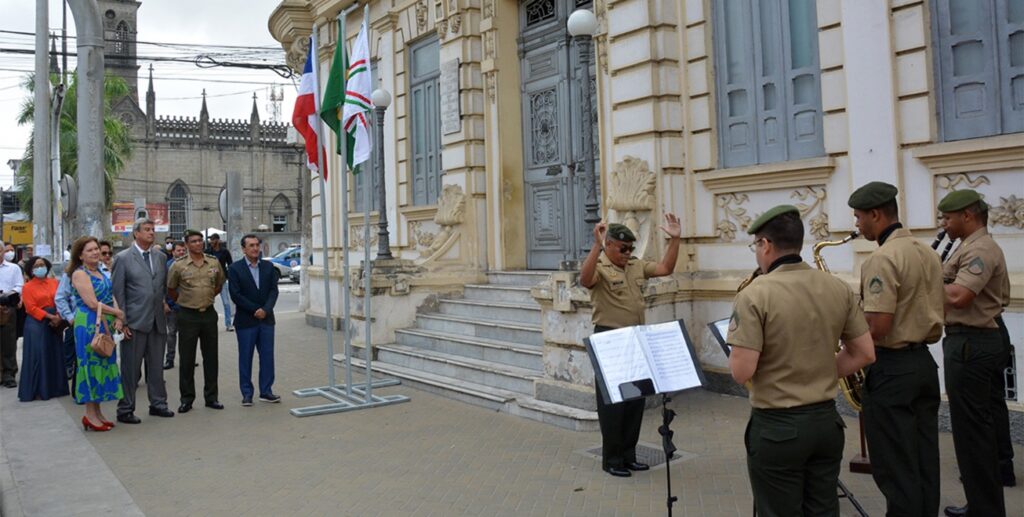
<point>190,232</point>
<point>620,232</point>
<point>960,199</point>
<point>872,195</point>
<point>769,215</point>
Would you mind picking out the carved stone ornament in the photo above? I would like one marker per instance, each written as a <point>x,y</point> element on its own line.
<point>818,225</point>
<point>423,239</point>
<point>490,42</point>
<point>451,208</point>
<point>356,237</point>
<point>455,23</point>
<point>491,85</point>
<point>421,16</point>
<point>951,182</point>
<point>1010,212</point>
<point>297,52</point>
<point>488,9</point>
<point>442,28</point>
<point>631,198</point>
<point>734,218</point>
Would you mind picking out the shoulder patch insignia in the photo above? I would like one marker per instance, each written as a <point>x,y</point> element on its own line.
<point>976,266</point>
<point>875,285</point>
<point>734,321</point>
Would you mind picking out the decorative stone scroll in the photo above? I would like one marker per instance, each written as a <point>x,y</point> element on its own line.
<point>297,52</point>
<point>1009,212</point>
<point>735,216</point>
<point>951,182</point>
<point>818,224</point>
<point>451,209</point>
<point>631,198</point>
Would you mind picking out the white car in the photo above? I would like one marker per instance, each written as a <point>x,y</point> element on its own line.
<point>282,270</point>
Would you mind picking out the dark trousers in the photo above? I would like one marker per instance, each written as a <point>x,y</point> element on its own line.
<point>195,326</point>
<point>1002,417</point>
<point>9,350</point>
<point>974,359</point>
<point>901,412</point>
<point>70,360</point>
<point>143,350</point>
<point>255,339</point>
<point>793,458</point>
<point>172,336</point>
<point>620,427</point>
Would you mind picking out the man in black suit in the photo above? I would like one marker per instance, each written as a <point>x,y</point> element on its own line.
<point>253,287</point>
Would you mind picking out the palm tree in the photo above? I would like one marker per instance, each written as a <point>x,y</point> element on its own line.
<point>117,145</point>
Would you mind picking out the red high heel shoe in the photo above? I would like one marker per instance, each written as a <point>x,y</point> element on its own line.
<point>108,424</point>
<point>87,426</point>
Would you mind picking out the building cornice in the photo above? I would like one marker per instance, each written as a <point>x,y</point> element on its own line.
<point>796,173</point>
<point>974,155</point>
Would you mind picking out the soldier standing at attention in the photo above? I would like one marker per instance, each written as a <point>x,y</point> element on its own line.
<point>977,288</point>
<point>901,289</point>
<point>616,280</point>
<point>193,283</point>
<point>784,329</point>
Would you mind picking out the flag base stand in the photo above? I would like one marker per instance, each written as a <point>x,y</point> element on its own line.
<point>341,401</point>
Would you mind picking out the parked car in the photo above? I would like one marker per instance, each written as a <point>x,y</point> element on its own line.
<point>296,273</point>
<point>285,260</point>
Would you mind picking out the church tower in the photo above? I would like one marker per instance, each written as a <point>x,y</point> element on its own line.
<point>119,34</point>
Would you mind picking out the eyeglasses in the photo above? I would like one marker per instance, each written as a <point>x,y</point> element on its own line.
<point>753,245</point>
<point>105,253</point>
<point>625,249</point>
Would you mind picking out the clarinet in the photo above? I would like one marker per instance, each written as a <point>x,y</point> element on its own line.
<point>945,252</point>
<point>938,239</point>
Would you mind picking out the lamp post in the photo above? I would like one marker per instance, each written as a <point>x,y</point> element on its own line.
<point>582,25</point>
<point>381,100</point>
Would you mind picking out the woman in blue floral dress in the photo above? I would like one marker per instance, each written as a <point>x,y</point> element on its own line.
<point>98,379</point>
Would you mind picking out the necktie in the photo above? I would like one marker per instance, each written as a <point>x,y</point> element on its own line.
<point>145,256</point>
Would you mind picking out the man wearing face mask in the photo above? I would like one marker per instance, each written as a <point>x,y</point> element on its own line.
<point>11,279</point>
<point>616,279</point>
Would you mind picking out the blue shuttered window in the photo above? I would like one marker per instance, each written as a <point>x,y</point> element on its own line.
<point>767,80</point>
<point>979,66</point>
<point>425,120</point>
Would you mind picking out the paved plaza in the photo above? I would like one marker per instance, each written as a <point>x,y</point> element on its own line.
<point>429,456</point>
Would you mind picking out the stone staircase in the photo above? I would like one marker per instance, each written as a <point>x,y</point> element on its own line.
<point>483,349</point>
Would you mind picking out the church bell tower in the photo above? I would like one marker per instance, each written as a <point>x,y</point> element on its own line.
<point>119,34</point>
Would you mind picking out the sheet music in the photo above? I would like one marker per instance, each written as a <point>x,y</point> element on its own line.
<point>720,329</point>
<point>621,359</point>
<point>674,369</point>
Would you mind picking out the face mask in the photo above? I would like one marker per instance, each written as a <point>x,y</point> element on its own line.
<point>39,272</point>
<point>169,246</point>
<point>9,256</point>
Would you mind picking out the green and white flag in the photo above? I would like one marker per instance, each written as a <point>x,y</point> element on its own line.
<point>357,99</point>
<point>334,101</point>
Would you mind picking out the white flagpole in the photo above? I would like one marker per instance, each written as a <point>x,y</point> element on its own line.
<point>345,294</point>
<point>367,269</point>
<point>329,325</point>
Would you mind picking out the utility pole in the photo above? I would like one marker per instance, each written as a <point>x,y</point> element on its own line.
<point>41,213</point>
<point>92,215</point>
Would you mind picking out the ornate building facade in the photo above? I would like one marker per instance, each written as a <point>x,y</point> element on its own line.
<point>714,110</point>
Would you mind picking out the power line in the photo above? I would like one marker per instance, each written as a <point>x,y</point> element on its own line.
<point>159,43</point>
<point>168,78</point>
<point>203,61</point>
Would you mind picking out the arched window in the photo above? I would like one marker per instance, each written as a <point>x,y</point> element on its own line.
<point>122,36</point>
<point>280,210</point>
<point>179,204</point>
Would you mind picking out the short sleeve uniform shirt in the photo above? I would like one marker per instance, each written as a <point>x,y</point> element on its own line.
<point>979,265</point>
<point>618,296</point>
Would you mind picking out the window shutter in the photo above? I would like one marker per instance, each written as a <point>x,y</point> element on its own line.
<point>370,167</point>
<point>771,87</point>
<point>803,79</point>
<point>1010,32</point>
<point>966,63</point>
<point>425,121</point>
<point>734,82</point>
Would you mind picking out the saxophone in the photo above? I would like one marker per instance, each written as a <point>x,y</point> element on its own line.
<point>852,384</point>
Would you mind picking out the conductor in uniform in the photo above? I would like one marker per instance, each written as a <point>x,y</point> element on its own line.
<point>616,279</point>
<point>194,282</point>
<point>901,289</point>
<point>977,287</point>
<point>783,331</point>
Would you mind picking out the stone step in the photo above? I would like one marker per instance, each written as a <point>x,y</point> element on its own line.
<point>504,352</point>
<point>486,311</point>
<point>487,396</point>
<point>526,334</point>
<point>499,293</point>
<point>520,278</point>
<point>511,378</point>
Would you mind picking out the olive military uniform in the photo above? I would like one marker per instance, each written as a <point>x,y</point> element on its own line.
<point>794,316</point>
<point>197,286</point>
<point>619,302</point>
<point>901,393</point>
<point>975,356</point>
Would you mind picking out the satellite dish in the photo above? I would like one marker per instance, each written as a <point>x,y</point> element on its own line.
<point>68,196</point>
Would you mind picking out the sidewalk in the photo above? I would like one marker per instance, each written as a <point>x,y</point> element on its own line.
<point>430,456</point>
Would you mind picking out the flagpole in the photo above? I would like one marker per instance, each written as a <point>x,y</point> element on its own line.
<point>329,323</point>
<point>367,266</point>
<point>346,295</point>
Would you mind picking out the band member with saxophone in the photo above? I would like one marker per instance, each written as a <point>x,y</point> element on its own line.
<point>977,288</point>
<point>784,330</point>
<point>615,279</point>
<point>901,289</point>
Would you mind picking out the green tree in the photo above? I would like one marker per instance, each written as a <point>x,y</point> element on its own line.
<point>117,144</point>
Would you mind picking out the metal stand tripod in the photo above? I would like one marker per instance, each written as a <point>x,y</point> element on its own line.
<point>666,445</point>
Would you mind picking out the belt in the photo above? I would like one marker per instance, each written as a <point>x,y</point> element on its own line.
<point>190,309</point>
<point>964,329</point>
<point>910,346</point>
<point>816,406</point>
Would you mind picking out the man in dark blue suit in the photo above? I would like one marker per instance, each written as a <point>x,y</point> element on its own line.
<point>253,287</point>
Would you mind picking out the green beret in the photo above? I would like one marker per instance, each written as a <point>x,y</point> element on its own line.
<point>769,215</point>
<point>872,195</point>
<point>620,232</point>
<point>190,232</point>
<point>960,199</point>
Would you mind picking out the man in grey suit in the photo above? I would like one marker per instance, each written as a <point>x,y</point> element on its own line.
<point>139,278</point>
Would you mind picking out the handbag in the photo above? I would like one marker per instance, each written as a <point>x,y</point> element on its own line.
<point>102,343</point>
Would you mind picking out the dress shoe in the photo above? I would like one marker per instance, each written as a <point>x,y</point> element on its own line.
<point>618,472</point>
<point>108,424</point>
<point>955,511</point>
<point>89,426</point>
<point>246,401</point>
<point>634,465</point>
<point>161,411</point>
<point>1006,474</point>
<point>215,405</point>
<point>168,365</point>
<point>11,383</point>
<point>185,407</point>
<point>270,397</point>
<point>129,418</point>
<point>230,328</point>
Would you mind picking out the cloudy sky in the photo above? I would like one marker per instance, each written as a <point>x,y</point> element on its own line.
<point>178,86</point>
